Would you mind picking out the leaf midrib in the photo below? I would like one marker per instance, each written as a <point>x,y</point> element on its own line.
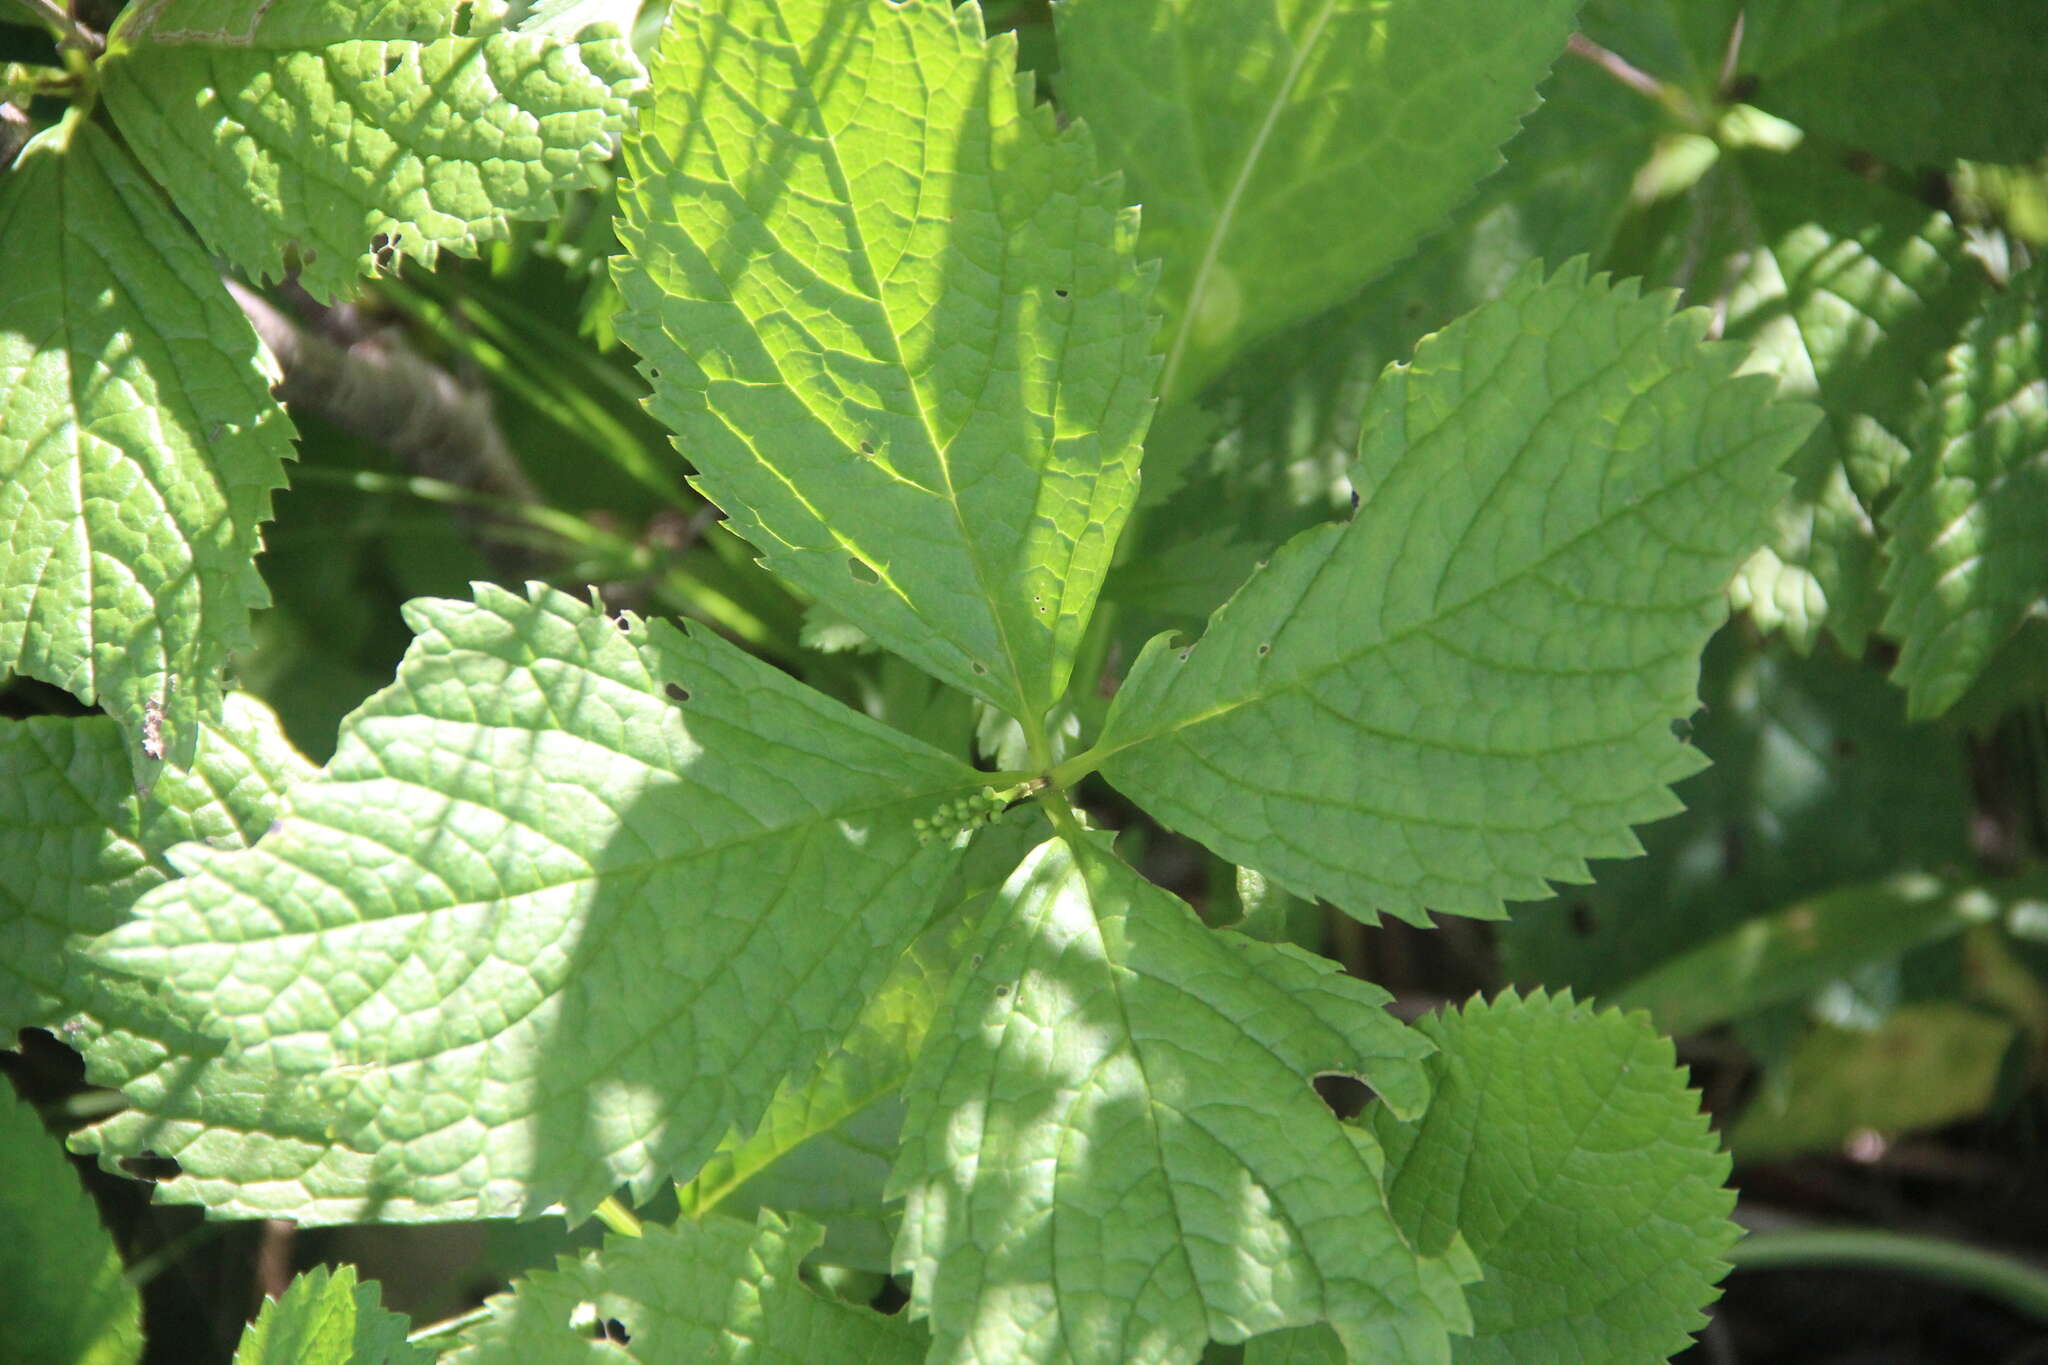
<point>1101,755</point>
<point>1226,216</point>
<point>637,868</point>
<point>865,261</point>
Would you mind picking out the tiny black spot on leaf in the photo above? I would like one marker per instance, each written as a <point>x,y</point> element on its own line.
<point>867,448</point>
<point>1264,650</point>
<point>1061,292</point>
<point>676,693</point>
<point>1002,992</point>
<point>614,1330</point>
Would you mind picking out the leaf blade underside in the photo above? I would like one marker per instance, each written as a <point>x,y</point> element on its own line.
<point>78,847</point>
<point>359,134</point>
<point>718,1290</point>
<point>824,1147</point>
<point>1113,1152</point>
<point>556,916</point>
<point>139,447</point>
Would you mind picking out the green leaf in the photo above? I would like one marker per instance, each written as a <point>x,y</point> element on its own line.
<point>2017,676</point>
<point>824,1147</point>
<point>326,1318</point>
<point>139,445</point>
<point>248,1142</point>
<point>711,1291</point>
<point>557,915</point>
<point>1296,1346</point>
<point>1816,782</point>
<point>1849,292</point>
<point>1967,531</point>
<point>564,18</point>
<point>863,272</point>
<point>1562,1145</point>
<point>1801,948</point>
<point>1291,406</point>
<point>1468,689</point>
<point>1925,1066</point>
<point>1273,914</point>
<point>358,135</point>
<point>1288,152</point>
<point>66,1302</point>
<point>78,847</point>
<point>1113,1152</point>
<point>1910,81</point>
<point>1917,81</point>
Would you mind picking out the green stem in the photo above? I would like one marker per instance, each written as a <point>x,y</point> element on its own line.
<point>448,1327</point>
<point>70,33</point>
<point>1074,769</point>
<point>2014,1282</point>
<point>1625,72</point>
<point>1037,742</point>
<point>1064,821</point>
<point>617,1217</point>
